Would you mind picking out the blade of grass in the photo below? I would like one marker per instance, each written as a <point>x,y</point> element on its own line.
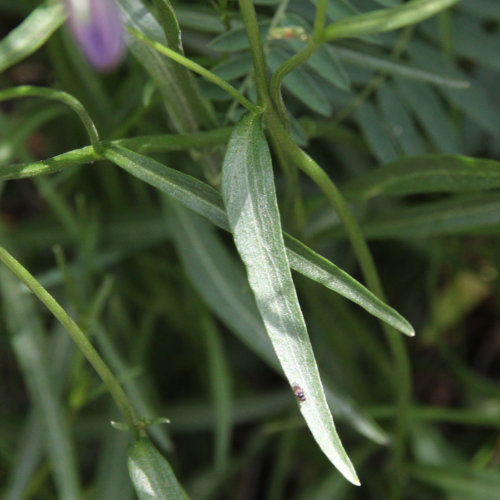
<point>30,348</point>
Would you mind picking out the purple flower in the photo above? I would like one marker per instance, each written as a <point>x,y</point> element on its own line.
<point>97,29</point>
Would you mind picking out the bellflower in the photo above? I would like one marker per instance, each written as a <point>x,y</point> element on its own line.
<point>98,31</point>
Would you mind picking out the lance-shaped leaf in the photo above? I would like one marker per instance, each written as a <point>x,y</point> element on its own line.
<point>252,210</point>
<point>151,474</point>
<point>31,34</point>
<point>206,201</point>
<point>223,285</point>
<point>426,174</point>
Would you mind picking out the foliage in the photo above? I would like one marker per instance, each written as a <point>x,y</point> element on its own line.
<point>390,109</point>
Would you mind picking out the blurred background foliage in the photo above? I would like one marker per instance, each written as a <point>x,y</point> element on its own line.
<point>116,258</point>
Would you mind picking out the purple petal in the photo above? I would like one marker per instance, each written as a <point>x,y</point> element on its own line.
<point>97,28</point>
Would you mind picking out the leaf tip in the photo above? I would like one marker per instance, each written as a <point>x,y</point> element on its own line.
<point>410,331</point>
<point>351,476</point>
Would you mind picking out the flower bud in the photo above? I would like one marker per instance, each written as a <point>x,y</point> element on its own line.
<point>98,31</point>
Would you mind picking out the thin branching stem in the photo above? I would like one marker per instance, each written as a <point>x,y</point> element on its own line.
<point>196,68</point>
<point>76,334</point>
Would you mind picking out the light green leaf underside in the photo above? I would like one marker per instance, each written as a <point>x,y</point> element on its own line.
<point>222,284</point>
<point>151,474</point>
<point>31,34</point>
<point>426,174</point>
<point>206,201</point>
<point>252,209</point>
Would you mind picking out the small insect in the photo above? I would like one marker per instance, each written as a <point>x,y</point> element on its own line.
<point>297,390</point>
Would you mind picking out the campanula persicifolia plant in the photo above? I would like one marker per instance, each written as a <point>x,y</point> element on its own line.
<point>271,237</point>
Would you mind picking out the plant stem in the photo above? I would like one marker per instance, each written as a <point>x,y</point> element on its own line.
<point>300,57</point>
<point>57,95</point>
<point>259,62</point>
<point>76,334</point>
<point>142,144</point>
<point>196,68</point>
<point>319,18</point>
<point>288,66</point>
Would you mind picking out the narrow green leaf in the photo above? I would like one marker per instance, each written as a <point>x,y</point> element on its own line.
<point>459,215</point>
<point>30,349</point>
<point>222,284</point>
<point>234,68</point>
<point>29,453</point>
<point>236,39</point>
<point>169,23</point>
<point>200,18</point>
<point>383,20</point>
<point>151,474</point>
<point>176,85</point>
<point>431,113</point>
<point>426,174</point>
<point>220,385</point>
<point>112,469</point>
<point>31,34</point>
<point>219,280</point>
<point>397,68</point>
<point>476,102</point>
<point>401,123</point>
<point>304,260</point>
<point>252,209</point>
<point>376,132</point>
<point>460,481</point>
<point>341,9</point>
<point>206,201</point>
<point>191,192</point>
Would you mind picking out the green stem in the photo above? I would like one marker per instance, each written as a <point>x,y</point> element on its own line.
<point>57,95</point>
<point>143,144</point>
<point>383,20</point>
<point>76,334</point>
<point>259,62</point>
<point>300,57</point>
<point>319,18</point>
<point>196,68</point>
<point>288,66</point>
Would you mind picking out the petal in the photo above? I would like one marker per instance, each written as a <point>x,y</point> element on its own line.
<point>98,31</point>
